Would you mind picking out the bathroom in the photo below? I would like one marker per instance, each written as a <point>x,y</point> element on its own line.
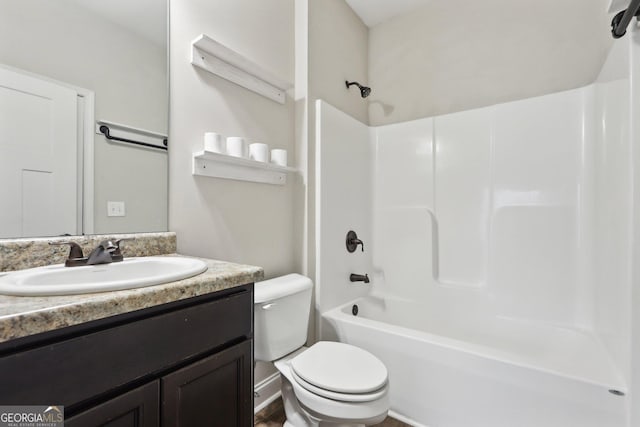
<point>489,175</point>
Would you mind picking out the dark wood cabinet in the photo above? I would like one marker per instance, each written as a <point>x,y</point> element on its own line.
<point>215,391</point>
<point>139,407</point>
<point>187,363</point>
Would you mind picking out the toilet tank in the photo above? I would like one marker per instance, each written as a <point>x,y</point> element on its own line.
<point>281,315</point>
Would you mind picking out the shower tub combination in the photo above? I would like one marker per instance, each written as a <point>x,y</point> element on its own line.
<point>485,371</point>
<point>498,245</point>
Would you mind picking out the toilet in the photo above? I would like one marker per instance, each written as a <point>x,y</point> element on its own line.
<point>327,384</point>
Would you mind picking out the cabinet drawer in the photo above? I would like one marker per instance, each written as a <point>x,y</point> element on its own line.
<point>74,370</point>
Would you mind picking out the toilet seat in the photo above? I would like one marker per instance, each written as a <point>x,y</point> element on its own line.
<point>336,367</point>
<point>342,397</point>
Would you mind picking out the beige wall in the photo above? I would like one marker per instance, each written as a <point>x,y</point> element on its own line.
<point>129,77</point>
<point>243,222</point>
<point>338,51</point>
<point>237,221</point>
<point>458,54</point>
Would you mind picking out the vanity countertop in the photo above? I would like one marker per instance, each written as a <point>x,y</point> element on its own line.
<point>24,316</point>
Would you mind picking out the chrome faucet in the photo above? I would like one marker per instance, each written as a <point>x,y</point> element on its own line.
<point>105,253</point>
<point>359,278</point>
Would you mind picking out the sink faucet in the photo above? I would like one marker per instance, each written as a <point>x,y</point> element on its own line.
<point>359,278</point>
<point>105,253</point>
<point>102,253</point>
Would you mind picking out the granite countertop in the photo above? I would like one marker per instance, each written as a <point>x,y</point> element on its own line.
<point>24,316</point>
<point>18,254</point>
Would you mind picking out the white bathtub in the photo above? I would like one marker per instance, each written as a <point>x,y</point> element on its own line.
<point>483,372</point>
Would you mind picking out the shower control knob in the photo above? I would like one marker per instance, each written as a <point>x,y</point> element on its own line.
<point>353,242</point>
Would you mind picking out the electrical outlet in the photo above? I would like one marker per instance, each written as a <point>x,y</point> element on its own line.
<point>115,209</point>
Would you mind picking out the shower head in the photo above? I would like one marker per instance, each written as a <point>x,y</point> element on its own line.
<point>364,90</point>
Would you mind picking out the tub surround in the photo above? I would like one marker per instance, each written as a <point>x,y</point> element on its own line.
<point>18,254</point>
<point>498,254</point>
<point>24,316</point>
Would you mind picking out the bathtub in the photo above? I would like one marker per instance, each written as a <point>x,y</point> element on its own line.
<point>485,371</point>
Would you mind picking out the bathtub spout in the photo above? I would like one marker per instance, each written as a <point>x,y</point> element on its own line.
<point>359,278</point>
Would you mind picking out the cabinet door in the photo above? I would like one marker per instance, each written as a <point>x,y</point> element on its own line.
<point>216,391</point>
<point>139,407</point>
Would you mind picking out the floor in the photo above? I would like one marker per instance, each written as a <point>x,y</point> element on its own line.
<point>273,416</point>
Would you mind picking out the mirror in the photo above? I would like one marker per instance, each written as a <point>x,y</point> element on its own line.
<point>66,66</point>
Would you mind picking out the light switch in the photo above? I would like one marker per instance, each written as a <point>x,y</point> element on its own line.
<point>115,209</point>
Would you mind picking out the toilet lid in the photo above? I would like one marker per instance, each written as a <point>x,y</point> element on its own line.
<point>340,367</point>
<point>340,397</point>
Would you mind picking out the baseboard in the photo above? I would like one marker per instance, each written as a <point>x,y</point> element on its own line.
<point>266,391</point>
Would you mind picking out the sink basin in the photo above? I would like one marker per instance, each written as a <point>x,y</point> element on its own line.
<point>128,274</point>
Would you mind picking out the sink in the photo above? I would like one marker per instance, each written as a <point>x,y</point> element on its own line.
<point>128,274</point>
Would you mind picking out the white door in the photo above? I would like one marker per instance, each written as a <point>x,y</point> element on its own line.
<point>38,157</point>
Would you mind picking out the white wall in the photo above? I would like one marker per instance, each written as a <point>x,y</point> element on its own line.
<point>634,52</point>
<point>129,77</point>
<point>331,47</point>
<point>403,199</point>
<point>504,187</point>
<point>456,55</point>
<point>335,51</point>
<point>343,162</point>
<point>617,197</point>
<point>498,201</point>
<point>613,202</point>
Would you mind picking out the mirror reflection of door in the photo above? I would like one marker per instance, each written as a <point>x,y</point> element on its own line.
<point>38,165</point>
<point>113,53</point>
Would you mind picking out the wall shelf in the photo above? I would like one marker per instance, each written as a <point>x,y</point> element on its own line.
<point>206,163</point>
<point>218,59</point>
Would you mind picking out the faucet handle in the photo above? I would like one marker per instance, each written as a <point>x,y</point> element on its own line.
<point>116,255</point>
<point>75,251</point>
<point>124,239</point>
<point>353,241</point>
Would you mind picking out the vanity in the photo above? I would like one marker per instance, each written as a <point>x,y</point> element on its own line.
<point>171,354</point>
<point>176,354</point>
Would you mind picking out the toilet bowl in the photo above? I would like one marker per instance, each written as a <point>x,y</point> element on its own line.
<point>315,405</point>
<point>327,384</point>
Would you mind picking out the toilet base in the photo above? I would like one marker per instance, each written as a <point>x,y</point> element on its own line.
<point>310,410</point>
<point>288,424</point>
<point>298,416</point>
